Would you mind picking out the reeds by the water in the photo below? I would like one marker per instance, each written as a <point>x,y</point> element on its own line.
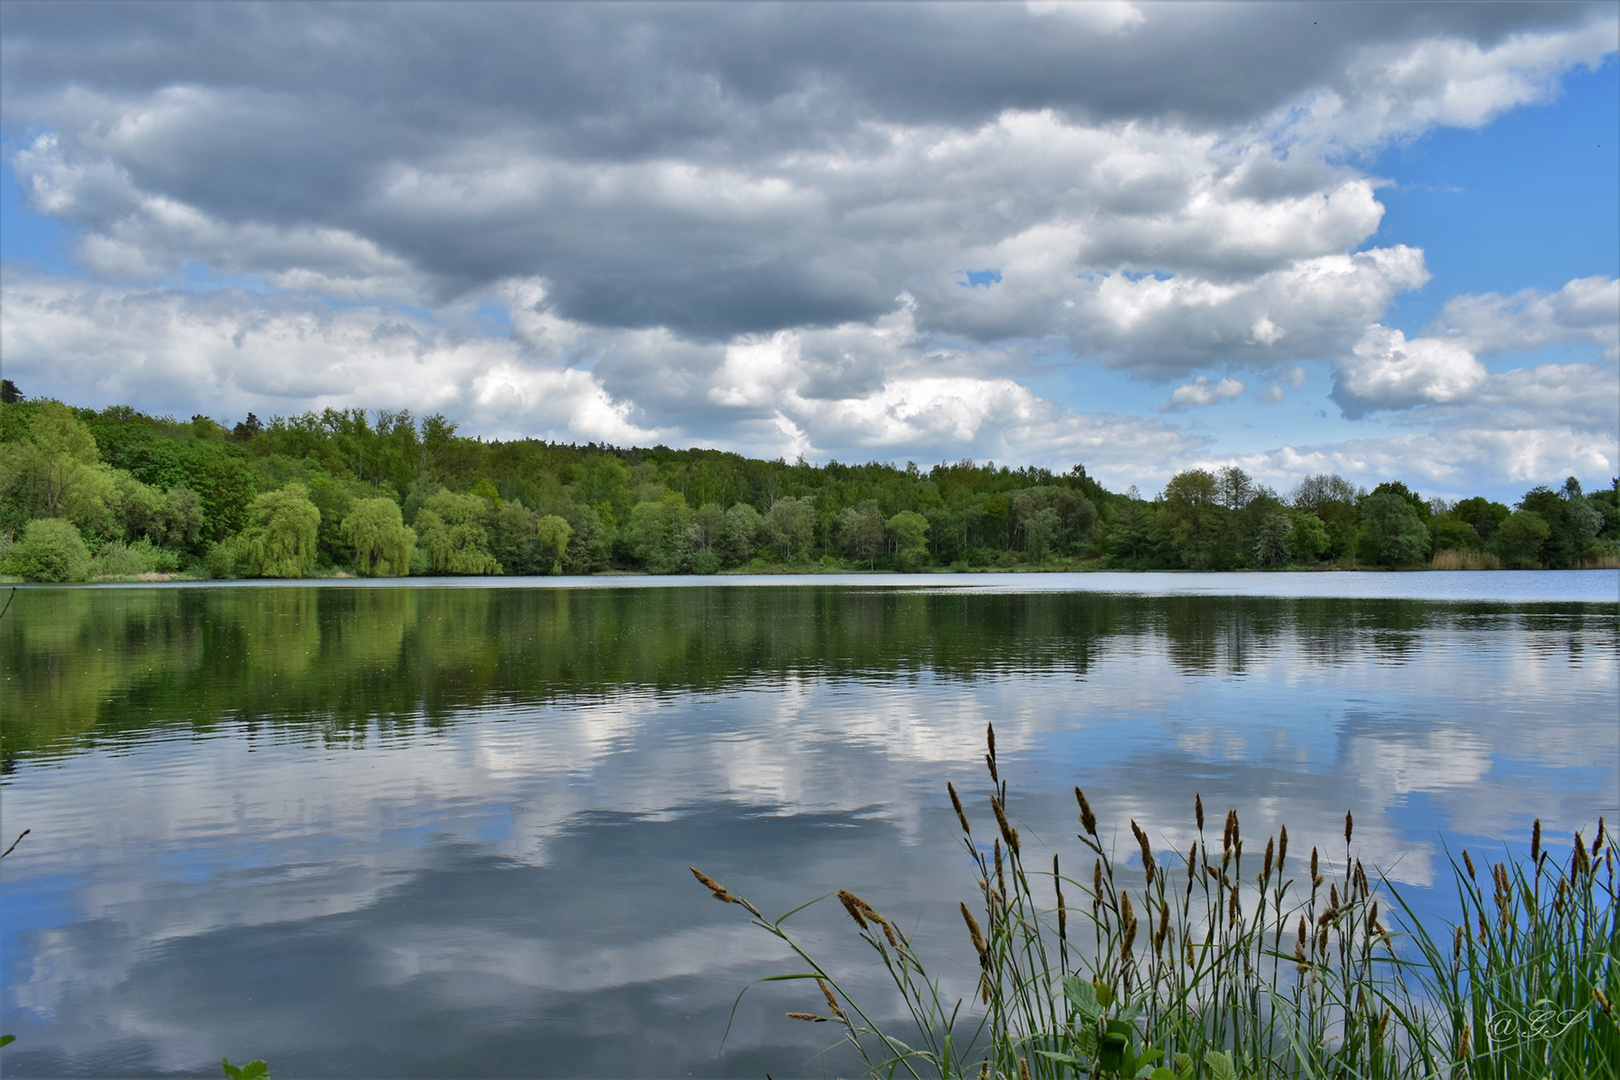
<point>1458,559</point>
<point>1226,961</point>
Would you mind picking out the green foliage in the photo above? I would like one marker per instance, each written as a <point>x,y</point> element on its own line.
<point>253,1070</point>
<point>51,550</point>
<point>1194,517</point>
<point>451,529</point>
<point>279,541</point>
<point>553,532</point>
<point>790,525</point>
<point>185,486</point>
<point>860,532</point>
<point>1392,533</point>
<point>1448,532</point>
<point>1307,538</point>
<point>1518,540</point>
<point>1483,514</point>
<point>381,540</point>
<point>910,530</point>
<point>118,559</point>
<point>660,533</point>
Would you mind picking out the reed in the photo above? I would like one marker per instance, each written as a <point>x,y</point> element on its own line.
<point>1200,964</point>
<point>1458,559</point>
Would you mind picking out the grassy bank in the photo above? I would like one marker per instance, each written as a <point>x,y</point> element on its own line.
<point>1230,961</point>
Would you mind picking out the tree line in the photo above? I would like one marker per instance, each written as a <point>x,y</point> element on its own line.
<point>118,493</point>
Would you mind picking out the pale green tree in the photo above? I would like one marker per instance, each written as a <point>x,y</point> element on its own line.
<point>279,541</point>
<point>860,531</point>
<point>791,525</point>
<point>381,540</point>
<point>554,532</point>
<point>740,534</point>
<point>50,550</point>
<point>910,531</point>
<point>452,530</point>
<point>658,533</point>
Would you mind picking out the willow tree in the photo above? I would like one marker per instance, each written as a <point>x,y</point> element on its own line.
<point>452,530</point>
<point>554,533</point>
<point>279,542</point>
<point>381,540</point>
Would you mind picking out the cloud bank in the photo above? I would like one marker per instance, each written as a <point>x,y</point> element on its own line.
<point>754,227</point>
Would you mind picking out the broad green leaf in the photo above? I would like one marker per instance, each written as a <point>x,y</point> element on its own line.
<point>5,1039</point>
<point>1130,1014</point>
<point>1220,1066</point>
<point>1105,994</point>
<point>1063,1059</point>
<point>1083,996</point>
<point>1162,1073</point>
<point>1185,1066</point>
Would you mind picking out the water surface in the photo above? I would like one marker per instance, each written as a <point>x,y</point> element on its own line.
<point>444,831</point>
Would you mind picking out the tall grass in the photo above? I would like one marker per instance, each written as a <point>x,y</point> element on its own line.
<point>1458,559</point>
<point>1219,963</point>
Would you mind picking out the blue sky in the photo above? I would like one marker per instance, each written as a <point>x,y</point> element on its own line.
<point>1390,249</point>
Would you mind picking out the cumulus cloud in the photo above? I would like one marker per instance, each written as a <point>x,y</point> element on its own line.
<point>228,352</point>
<point>1201,392</point>
<point>657,173</point>
<point>1518,427</point>
<point>1386,371</point>
<point>1585,310</point>
<point>752,231</point>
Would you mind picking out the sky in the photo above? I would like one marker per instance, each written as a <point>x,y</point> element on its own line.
<point>1375,239</point>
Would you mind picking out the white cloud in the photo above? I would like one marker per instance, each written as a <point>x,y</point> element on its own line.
<point>1585,310</point>
<point>1201,392</point>
<point>1525,426</point>
<point>1386,371</point>
<point>1402,89</point>
<point>228,352</point>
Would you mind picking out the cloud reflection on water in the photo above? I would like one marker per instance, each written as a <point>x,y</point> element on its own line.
<point>427,833</point>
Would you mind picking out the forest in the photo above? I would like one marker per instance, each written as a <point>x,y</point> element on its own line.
<point>118,494</point>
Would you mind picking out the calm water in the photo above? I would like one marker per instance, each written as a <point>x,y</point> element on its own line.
<point>444,831</point>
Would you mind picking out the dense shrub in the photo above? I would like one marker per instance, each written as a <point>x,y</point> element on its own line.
<point>51,550</point>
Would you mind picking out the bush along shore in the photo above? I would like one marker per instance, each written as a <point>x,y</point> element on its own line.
<point>1229,964</point>
<point>116,494</point>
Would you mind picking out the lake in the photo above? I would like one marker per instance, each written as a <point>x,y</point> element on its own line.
<point>443,828</point>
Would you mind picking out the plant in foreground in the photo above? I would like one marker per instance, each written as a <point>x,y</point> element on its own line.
<point>1203,969</point>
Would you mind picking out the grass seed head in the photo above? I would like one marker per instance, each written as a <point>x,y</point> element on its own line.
<point>1469,863</point>
<point>1147,850</point>
<point>1349,826</point>
<point>1282,848</point>
<point>832,1002</point>
<point>1198,810</point>
<point>1535,844</point>
<point>1008,833</point>
<point>712,885</point>
<point>1088,820</point>
<point>977,935</point>
<point>956,804</point>
<point>1265,873</point>
<point>853,905</point>
<point>811,1018</point>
